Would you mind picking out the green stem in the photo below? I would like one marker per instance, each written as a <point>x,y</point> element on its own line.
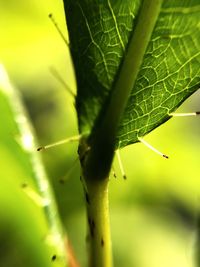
<point>96,155</point>
<point>98,224</point>
<point>103,140</point>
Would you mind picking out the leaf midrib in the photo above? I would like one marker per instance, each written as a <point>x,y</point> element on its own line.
<point>103,139</point>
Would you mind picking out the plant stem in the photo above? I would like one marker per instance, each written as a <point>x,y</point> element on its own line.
<point>103,139</point>
<point>98,224</point>
<point>97,152</point>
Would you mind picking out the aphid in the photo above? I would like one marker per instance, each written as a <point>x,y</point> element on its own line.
<point>53,258</point>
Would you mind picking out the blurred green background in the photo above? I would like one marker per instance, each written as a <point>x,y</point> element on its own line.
<point>154,213</point>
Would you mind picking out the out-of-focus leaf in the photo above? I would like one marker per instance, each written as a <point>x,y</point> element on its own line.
<point>29,216</point>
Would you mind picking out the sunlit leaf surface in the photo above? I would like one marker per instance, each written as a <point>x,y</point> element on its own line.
<point>99,34</point>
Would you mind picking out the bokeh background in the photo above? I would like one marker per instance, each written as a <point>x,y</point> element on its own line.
<point>154,213</point>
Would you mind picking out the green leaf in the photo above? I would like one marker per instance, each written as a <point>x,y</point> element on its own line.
<point>27,204</point>
<point>100,38</point>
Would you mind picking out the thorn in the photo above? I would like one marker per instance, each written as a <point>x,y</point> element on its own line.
<point>58,29</point>
<point>32,194</point>
<point>83,155</point>
<point>57,76</point>
<point>152,148</point>
<point>185,114</point>
<point>71,168</point>
<point>64,141</point>
<point>120,164</point>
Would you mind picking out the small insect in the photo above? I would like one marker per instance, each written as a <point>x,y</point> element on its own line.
<point>53,258</point>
